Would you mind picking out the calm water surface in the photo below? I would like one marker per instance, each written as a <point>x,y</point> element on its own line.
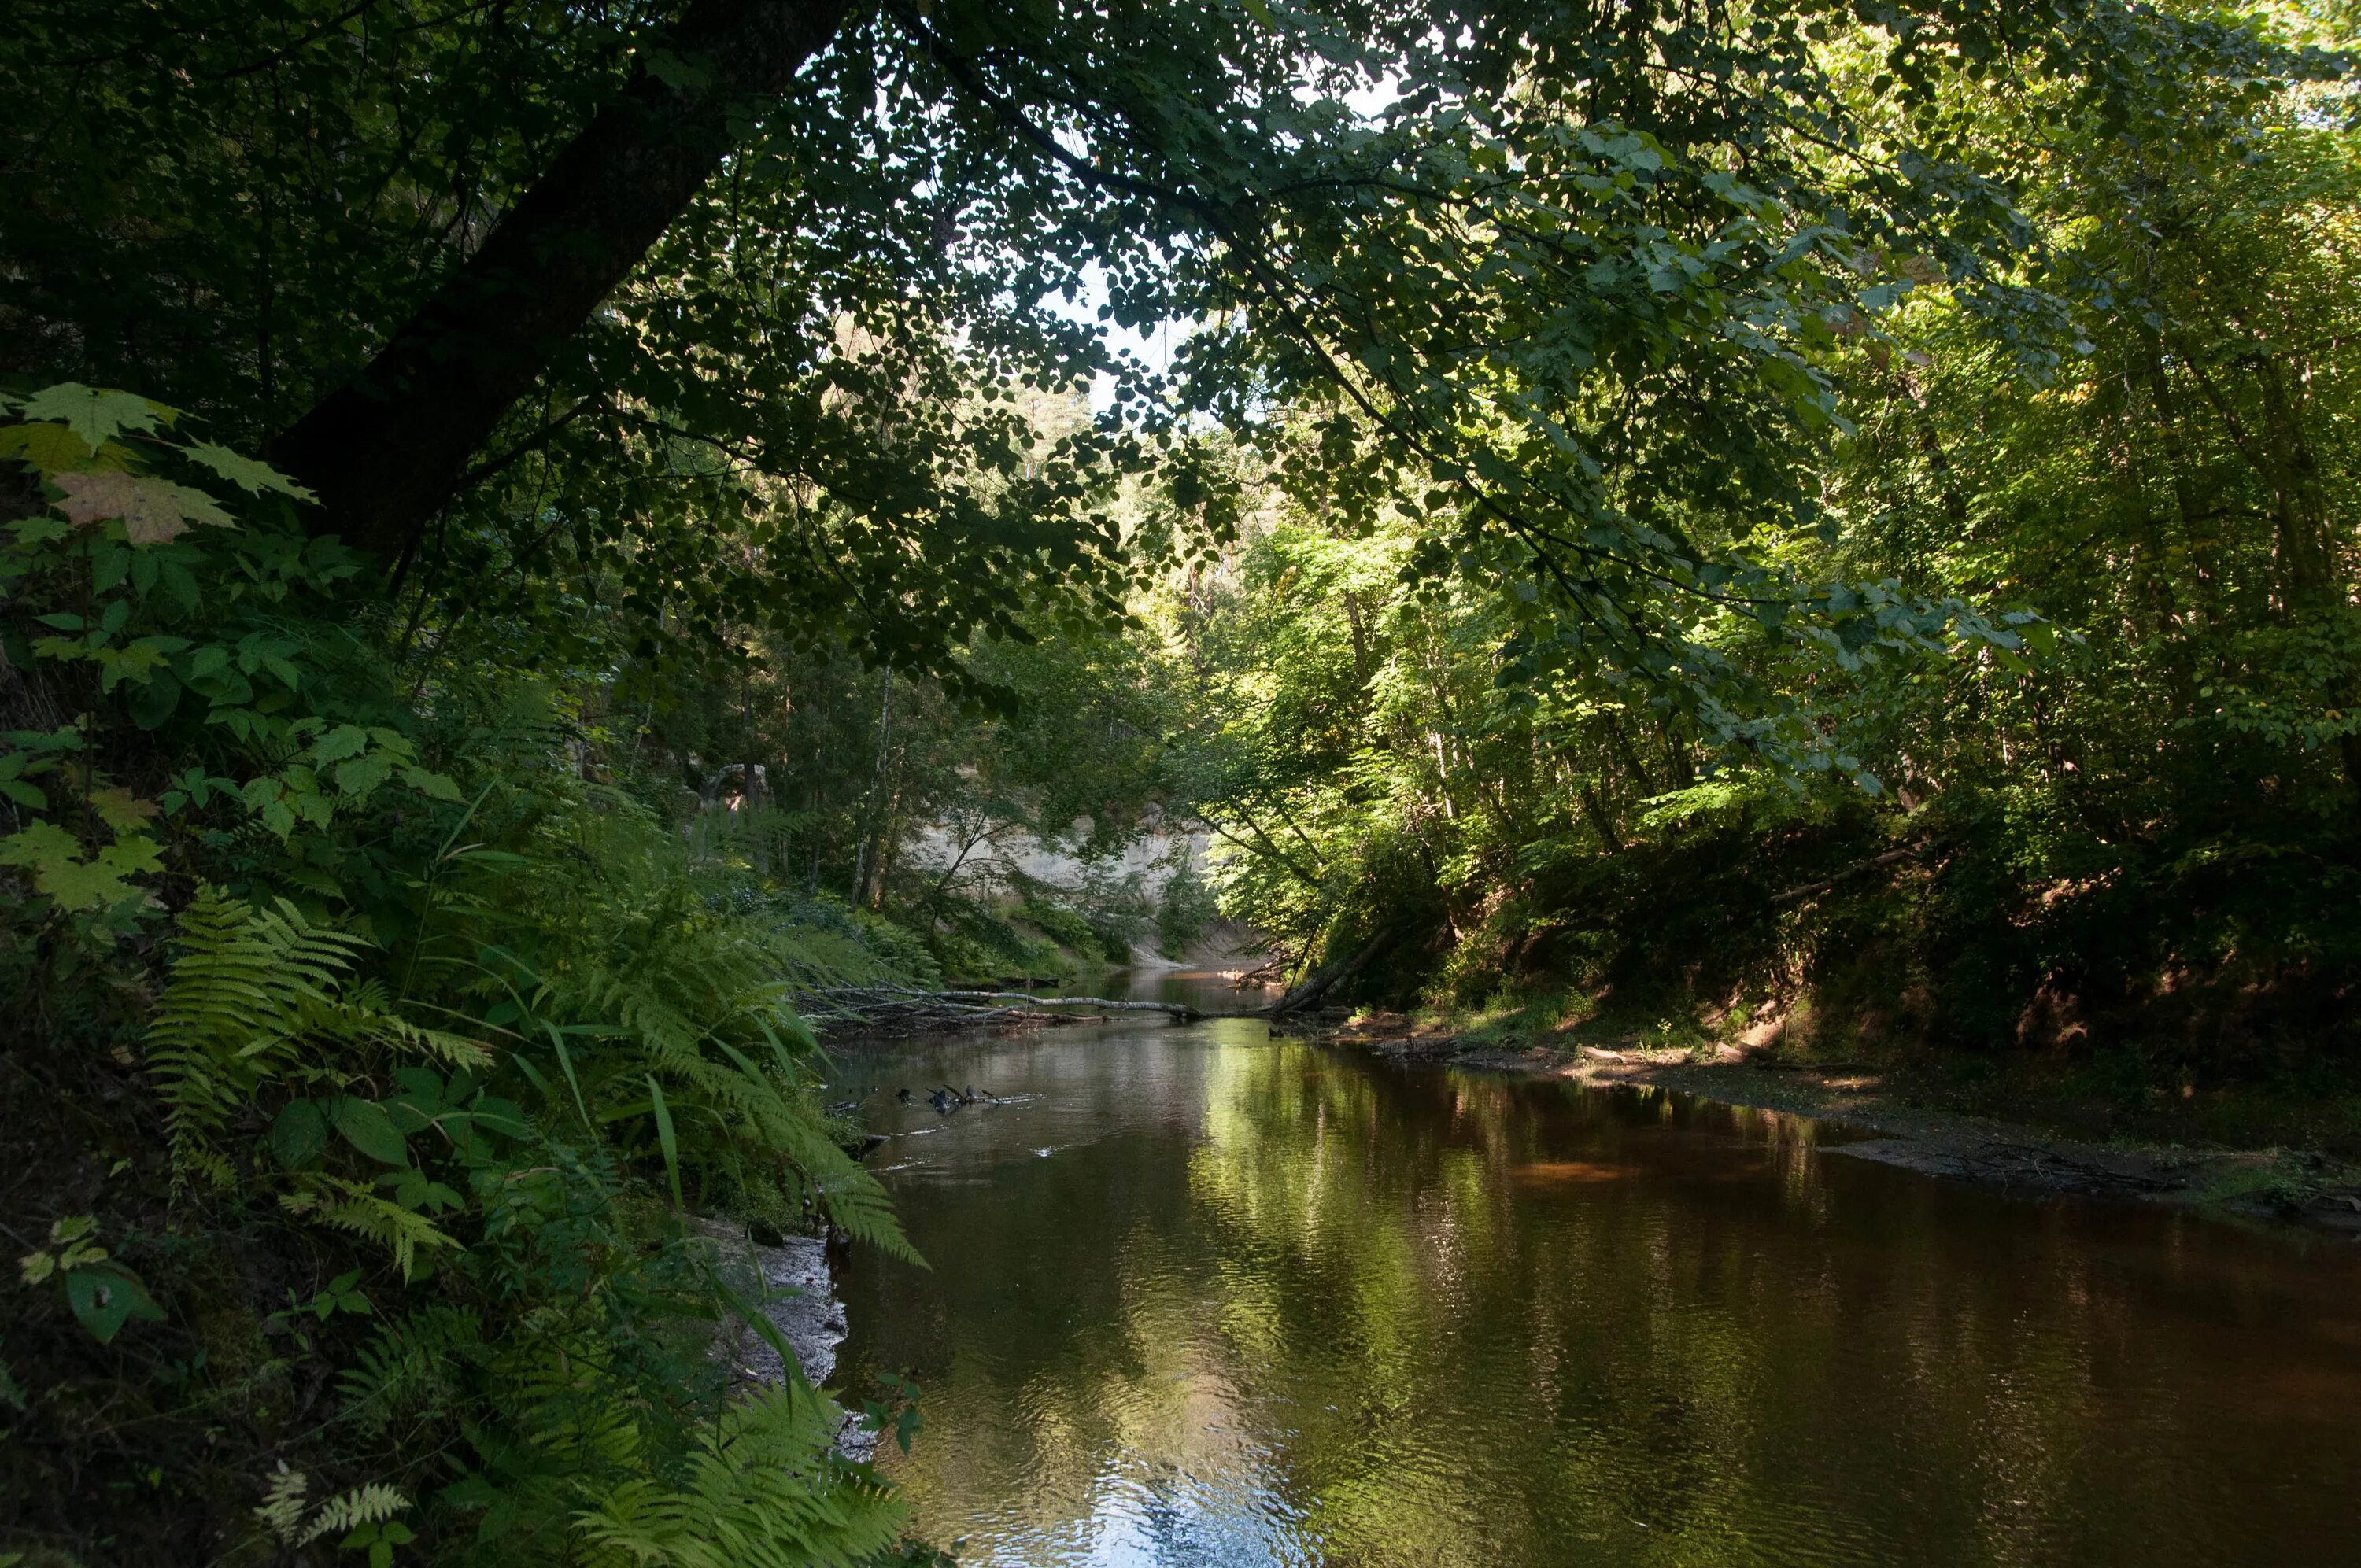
<point>1206,1296</point>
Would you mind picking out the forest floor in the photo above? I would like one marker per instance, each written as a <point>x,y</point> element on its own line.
<point>2015,1134</point>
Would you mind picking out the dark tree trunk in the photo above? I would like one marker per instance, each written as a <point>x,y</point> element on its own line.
<point>1308,992</point>
<point>388,448</point>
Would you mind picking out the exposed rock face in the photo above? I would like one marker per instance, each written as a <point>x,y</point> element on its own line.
<point>792,1284</point>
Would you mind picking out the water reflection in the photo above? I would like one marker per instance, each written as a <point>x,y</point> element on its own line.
<point>1214,1298</point>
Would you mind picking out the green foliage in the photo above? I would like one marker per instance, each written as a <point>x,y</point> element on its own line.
<point>2119,821</point>
<point>102,1294</point>
<point>1185,907</point>
<point>762,1489</point>
<point>429,1021</point>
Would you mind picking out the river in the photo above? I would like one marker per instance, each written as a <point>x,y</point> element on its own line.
<point>1204,1297</point>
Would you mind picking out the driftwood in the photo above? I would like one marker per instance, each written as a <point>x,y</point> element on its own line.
<point>902,1008</point>
<point>1181,1011</point>
<point>1260,974</point>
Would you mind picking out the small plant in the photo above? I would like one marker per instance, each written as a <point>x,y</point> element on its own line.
<point>102,1294</point>
<point>366,1515</point>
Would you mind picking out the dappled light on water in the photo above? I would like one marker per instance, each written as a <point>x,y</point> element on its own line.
<point>1263,1303</point>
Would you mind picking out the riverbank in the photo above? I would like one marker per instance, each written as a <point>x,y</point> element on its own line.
<point>1923,1118</point>
<point>789,1279</point>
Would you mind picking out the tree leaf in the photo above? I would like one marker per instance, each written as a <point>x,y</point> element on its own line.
<point>89,497</point>
<point>298,1135</point>
<point>154,511</point>
<point>368,1128</point>
<point>131,854</point>
<point>343,741</point>
<point>83,887</point>
<point>95,413</point>
<point>246,473</point>
<point>105,1296</point>
<point>121,810</point>
<point>51,449</point>
<point>433,785</point>
<point>195,505</point>
<point>42,844</point>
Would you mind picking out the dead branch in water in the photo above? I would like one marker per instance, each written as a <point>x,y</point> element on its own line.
<point>908,1009</point>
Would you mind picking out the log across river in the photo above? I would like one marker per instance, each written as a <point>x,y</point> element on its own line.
<point>1206,1297</point>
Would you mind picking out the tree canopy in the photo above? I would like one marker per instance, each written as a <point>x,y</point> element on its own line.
<point>715,312</point>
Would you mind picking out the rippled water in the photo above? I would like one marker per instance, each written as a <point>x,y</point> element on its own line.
<point>1206,1297</point>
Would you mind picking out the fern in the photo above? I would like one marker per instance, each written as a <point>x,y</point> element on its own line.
<point>414,1361</point>
<point>669,988</point>
<point>257,993</point>
<point>242,983</point>
<point>372,1504</point>
<point>762,1492</point>
<point>282,1506</point>
<point>352,1208</point>
<point>547,1394</point>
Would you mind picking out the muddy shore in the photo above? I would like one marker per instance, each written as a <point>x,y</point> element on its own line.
<point>2268,1184</point>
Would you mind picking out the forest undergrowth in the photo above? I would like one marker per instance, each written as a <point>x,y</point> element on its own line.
<point>363,1059</point>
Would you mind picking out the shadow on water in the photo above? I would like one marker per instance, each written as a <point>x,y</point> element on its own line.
<point>1206,1297</point>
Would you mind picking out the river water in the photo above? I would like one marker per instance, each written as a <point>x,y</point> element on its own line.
<point>1203,1297</point>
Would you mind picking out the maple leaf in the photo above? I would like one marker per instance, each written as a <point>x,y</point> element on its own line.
<point>195,505</point>
<point>89,497</point>
<point>42,844</point>
<point>94,413</point>
<point>154,511</point>
<point>246,471</point>
<point>131,854</point>
<point>79,885</point>
<point>49,447</point>
<point>120,809</point>
<point>55,859</point>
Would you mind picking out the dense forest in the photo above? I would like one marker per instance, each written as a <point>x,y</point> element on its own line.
<point>549,546</point>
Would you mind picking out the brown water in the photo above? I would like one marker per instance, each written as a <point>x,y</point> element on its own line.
<point>1204,1297</point>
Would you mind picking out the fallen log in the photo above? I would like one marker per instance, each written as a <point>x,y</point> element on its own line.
<point>902,1004</point>
<point>1181,1011</point>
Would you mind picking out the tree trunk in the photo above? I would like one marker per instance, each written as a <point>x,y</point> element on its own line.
<point>387,450</point>
<point>2306,542</point>
<point>1308,992</point>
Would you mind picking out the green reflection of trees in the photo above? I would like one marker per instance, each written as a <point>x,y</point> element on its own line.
<point>1456,1320</point>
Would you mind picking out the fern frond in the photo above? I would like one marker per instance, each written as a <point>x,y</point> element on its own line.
<point>353,1208</point>
<point>410,1363</point>
<point>572,1405</point>
<point>281,1511</point>
<point>763,1492</point>
<point>849,1195</point>
<point>357,1019</point>
<point>372,1504</point>
<point>254,992</point>
<point>241,982</point>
